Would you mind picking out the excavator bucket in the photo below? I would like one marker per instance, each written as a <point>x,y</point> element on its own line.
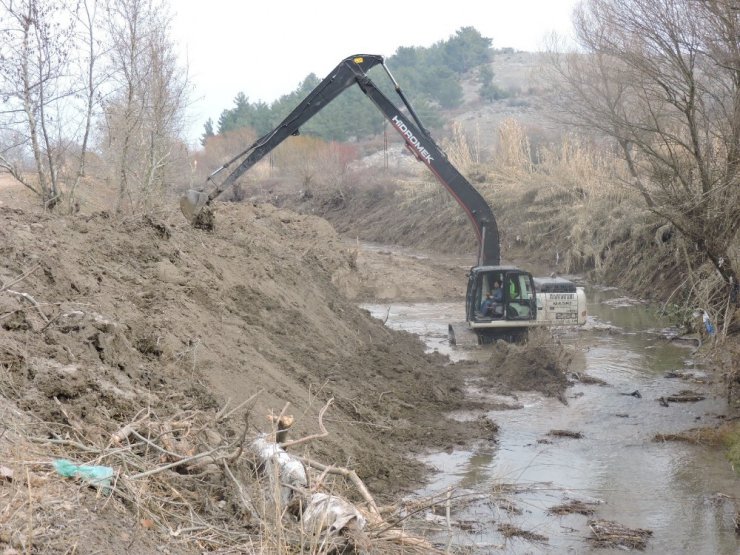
<point>194,206</point>
<point>191,203</point>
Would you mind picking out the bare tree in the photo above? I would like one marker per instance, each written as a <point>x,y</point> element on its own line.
<point>32,62</point>
<point>143,115</point>
<point>43,60</point>
<point>88,55</point>
<point>662,78</point>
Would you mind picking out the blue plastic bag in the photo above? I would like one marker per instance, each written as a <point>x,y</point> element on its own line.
<point>708,324</point>
<point>99,476</point>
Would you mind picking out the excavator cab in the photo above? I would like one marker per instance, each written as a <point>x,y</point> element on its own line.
<point>512,315</point>
<point>518,300</point>
<point>519,296</point>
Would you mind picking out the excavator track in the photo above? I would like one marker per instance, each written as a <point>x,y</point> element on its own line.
<point>462,336</point>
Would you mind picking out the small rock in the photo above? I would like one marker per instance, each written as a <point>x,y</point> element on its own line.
<point>103,324</point>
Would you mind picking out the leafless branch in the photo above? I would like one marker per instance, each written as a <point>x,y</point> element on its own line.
<point>323,432</point>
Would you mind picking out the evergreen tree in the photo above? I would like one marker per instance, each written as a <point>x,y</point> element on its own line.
<point>236,117</point>
<point>207,132</point>
<point>442,86</point>
<point>223,122</point>
<point>262,120</point>
<point>466,50</point>
<point>487,90</point>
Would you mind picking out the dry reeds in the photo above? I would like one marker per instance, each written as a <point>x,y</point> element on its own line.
<point>718,436</point>
<point>574,506</point>
<point>607,533</point>
<point>565,433</point>
<point>511,531</point>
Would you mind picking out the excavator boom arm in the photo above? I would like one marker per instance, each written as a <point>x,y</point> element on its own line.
<point>353,70</point>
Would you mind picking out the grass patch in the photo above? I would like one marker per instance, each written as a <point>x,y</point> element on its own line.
<point>732,443</point>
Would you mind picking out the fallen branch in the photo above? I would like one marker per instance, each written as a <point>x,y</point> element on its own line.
<point>174,464</point>
<point>511,531</point>
<point>223,415</point>
<point>31,300</point>
<point>171,454</point>
<point>607,533</point>
<point>565,433</point>
<point>685,396</point>
<point>121,435</point>
<point>347,473</point>
<point>24,275</point>
<point>234,456</point>
<point>323,432</point>
<point>574,506</point>
<point>246,502</point>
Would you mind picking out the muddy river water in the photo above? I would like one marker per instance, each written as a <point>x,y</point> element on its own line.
<point>685,494</point>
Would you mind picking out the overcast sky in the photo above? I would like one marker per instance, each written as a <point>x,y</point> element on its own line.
<point>264,48</point>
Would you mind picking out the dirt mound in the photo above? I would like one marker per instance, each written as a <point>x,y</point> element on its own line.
<point>394,215</point>
<point>384,275</point>
<point>539,365</point>
<point>102,318</point>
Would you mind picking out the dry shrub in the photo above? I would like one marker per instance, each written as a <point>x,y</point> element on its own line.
<point>219,149</point>
<point>178,485</point>
<point>422,195</point>
<point>460,152</point>
<point>513,156</point>
<point>726,435</point>
<point>591,170</point>
<point>699,436</point>
<point>547,200</point>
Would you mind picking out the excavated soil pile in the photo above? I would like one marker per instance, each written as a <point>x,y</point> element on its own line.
<point>539,365</point>
<point>387,214</point>
<point>103,319</point>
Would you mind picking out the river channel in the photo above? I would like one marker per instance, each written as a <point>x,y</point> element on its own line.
<point>685,494</point>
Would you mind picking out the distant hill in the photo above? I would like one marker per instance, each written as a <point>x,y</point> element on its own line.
<point>524,98</point>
